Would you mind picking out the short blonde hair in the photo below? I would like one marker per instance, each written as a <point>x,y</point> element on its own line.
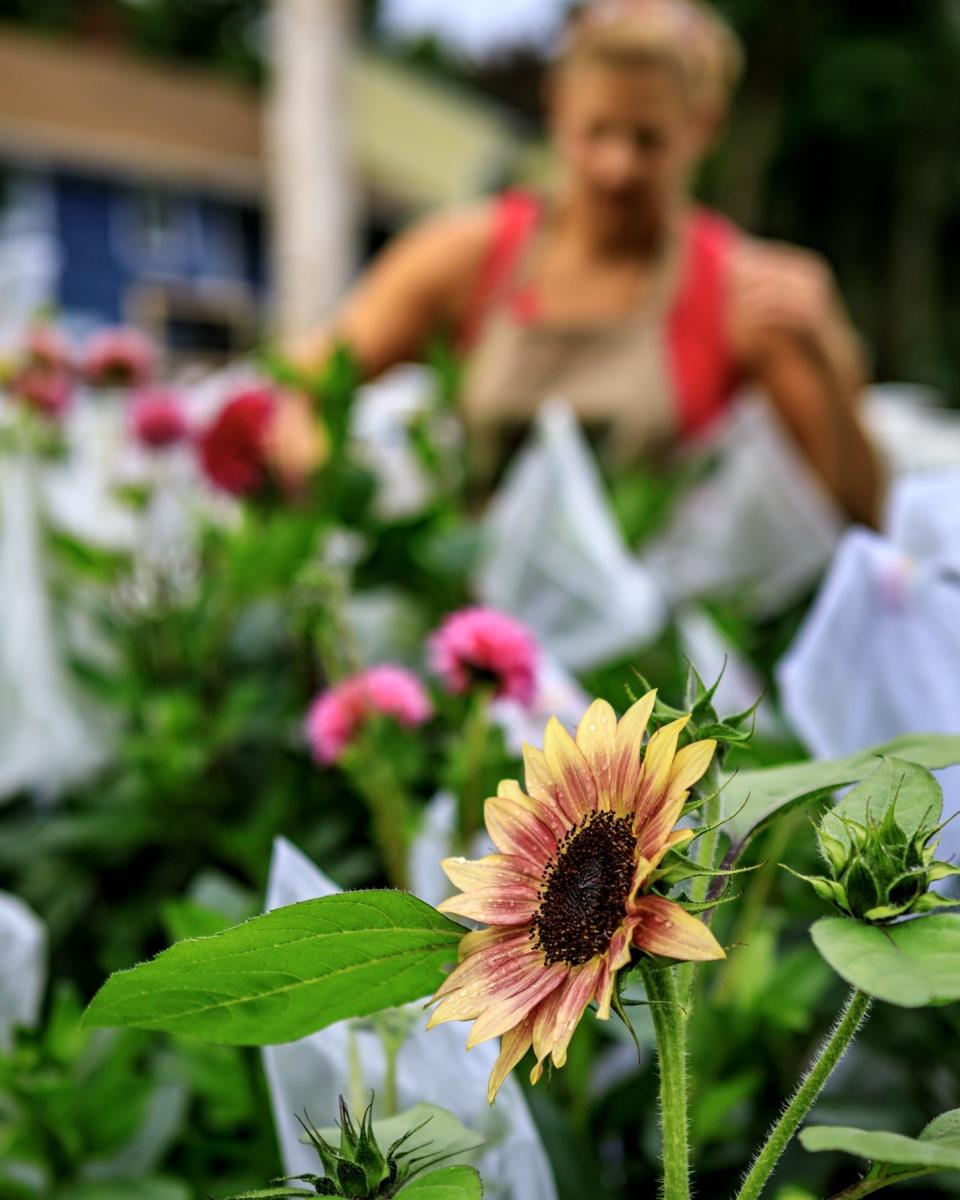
<point>688,35</point>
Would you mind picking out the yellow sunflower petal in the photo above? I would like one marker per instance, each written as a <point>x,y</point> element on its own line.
<point>664,928</point>
<point>597,739</point>
<point>657,765</point>
<point>628,761</point>
<point>570,770</point>
<point>513,1046</point>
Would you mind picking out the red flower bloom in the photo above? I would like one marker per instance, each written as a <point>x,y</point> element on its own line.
<point>233,447</point>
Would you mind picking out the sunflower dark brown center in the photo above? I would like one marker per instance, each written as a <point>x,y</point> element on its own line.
<point>584,890</point>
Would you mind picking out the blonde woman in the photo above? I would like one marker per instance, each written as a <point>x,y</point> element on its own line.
<point>617,292</point>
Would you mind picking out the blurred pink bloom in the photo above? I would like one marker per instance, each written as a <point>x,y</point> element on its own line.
<point>46,390</point>
<point>338,713</point>
<point>48,347</point>
<point>120,357</point>
<point>233,446</point>
<point>481,643</point>
<point>157,419</point>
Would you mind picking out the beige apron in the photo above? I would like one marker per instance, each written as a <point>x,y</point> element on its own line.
<point>614,375</point>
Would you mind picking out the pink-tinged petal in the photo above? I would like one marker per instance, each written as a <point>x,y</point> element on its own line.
<point>507,1011</point>
<point>664,928</point>
<point>570,770</point>
<point>517,831</point>
<point>494,870</point>
<point>657,765</point>
<point>547,814</point>
<point>542,786</point>
<point>597,739</point>
<point>477,940</point>
<point>617,956</point>
<point>472,990</point>
<point>504,904</point>
<point>513,1046</point>
<point>559,1015</point>
<point>628,762</point>
<point>495,967</point>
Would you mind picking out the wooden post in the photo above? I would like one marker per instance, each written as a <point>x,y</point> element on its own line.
<point>312,195</point>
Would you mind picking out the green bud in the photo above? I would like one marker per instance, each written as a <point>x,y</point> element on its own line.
<point>879,845</point>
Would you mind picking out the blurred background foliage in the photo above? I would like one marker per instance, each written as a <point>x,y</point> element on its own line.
<point>844,136</point>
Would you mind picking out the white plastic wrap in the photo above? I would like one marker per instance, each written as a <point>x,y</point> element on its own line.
<point>759,526</point>
<point>431,1067</point>
<point>912,428</point>
<point>879,652</point>
<point>49,737</point>
<point>555,558</point>
<point>23,966</point>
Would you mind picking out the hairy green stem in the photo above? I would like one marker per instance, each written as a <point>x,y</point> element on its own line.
<point>670,1026</point>
<point>804,1098</point>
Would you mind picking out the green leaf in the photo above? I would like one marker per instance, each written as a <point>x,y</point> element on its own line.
<point>912,964</point>
<point>911,790</point>
<point>272,1193</point>
<point>937,1148</point>
<point>288,973</point>
<point>449,1183</point>
<point>762,794</point>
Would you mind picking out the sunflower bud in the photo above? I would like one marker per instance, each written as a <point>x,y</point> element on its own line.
<point>358,1169</point>
<point>879,845</point>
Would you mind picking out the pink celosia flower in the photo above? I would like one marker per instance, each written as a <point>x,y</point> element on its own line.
<point>481,643</point>
<point>157,419</point>
<point>233,447</point>
<point>119,358</point>
<point>338,713</point>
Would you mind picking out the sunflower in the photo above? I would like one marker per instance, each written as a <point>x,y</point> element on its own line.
<point>563,899</point>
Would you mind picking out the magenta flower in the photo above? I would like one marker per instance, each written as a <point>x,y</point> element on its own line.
<point>337,714</point>
<point>157,419</point>
<point>481,643</point>
<point>120,357</point>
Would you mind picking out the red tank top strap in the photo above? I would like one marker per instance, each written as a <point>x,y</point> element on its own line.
<point>515,218</point>
<point>702,362</point>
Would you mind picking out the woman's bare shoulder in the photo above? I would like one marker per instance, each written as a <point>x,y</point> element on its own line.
<point>448,245</point>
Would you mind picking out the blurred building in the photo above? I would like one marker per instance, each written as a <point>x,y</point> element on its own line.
<point>149,179</point>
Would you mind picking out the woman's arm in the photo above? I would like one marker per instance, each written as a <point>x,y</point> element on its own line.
<point>796,343</point>
<point>419,285</point>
